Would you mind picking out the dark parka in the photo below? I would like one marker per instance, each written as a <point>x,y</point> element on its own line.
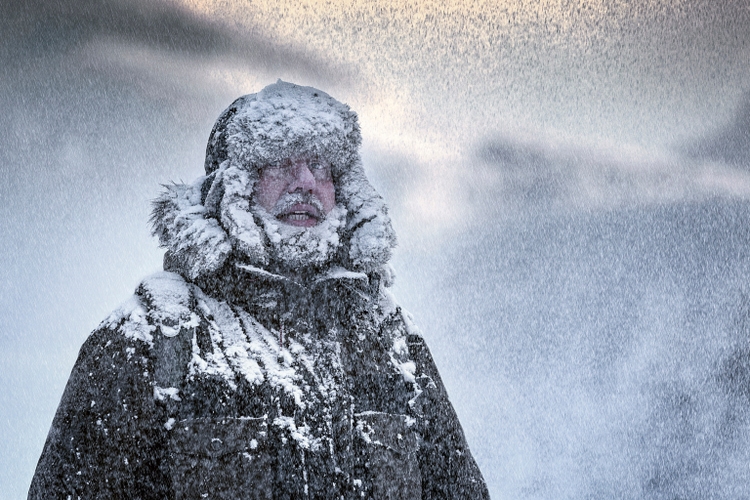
<point>228,380</point>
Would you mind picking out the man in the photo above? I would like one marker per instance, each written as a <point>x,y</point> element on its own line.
<point>269,359</point>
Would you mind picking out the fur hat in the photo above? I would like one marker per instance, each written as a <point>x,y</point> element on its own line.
<point>202,224</point>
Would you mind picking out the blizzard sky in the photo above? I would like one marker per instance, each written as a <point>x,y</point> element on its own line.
<point>569,182</point>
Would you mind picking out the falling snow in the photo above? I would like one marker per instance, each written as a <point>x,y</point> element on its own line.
<point>568,180</point>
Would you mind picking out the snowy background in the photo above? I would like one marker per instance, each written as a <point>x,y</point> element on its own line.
<point>569,180</point>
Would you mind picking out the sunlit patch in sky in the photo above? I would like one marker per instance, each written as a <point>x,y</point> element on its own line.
<point>612,69</point>
<point>643,76</point>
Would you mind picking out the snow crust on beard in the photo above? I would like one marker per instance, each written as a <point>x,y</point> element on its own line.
<point>300,247</point>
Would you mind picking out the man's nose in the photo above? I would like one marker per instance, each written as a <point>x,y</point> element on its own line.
<point>302,177</point>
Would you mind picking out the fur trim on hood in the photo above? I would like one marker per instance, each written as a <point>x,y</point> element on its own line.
<point>201,225</point>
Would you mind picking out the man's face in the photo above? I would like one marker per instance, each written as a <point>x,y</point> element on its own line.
<point>298,191</point>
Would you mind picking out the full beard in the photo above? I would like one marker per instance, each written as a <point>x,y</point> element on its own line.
<point>295,248</point>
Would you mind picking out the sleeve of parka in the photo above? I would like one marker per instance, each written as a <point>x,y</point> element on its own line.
<point>105,441</point>
<point>447,467</point>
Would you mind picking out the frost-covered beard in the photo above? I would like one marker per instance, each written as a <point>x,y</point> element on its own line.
<point>296,247</point>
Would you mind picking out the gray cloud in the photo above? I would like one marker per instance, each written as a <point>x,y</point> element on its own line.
<point>35,29</point>
<point>543,174</point>
<point>730,143</point>
<point>608,350</point>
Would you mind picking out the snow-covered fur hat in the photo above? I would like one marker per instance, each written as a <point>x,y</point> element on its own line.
<point>203,224</point>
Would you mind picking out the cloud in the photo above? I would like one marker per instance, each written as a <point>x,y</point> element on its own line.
<point>729,144</point>
<point>99,96</point>
<point>36,29</point>
<point>545,173</point>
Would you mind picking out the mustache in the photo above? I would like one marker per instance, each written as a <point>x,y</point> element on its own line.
<point>287,201</point>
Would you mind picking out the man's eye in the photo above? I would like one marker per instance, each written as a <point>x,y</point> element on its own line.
<point>279,166</point>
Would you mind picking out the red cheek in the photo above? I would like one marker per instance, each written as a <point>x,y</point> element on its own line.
<point>268,191</point>
<point>326,192</point>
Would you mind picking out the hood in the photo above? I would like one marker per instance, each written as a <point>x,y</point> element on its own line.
<point>205,224</point>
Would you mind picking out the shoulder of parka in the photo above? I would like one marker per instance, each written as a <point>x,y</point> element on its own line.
<point>447,466</point>
<point>107,437</point>
<point>163,303</point>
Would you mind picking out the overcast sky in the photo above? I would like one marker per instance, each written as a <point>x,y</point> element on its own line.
<point>489,126</point>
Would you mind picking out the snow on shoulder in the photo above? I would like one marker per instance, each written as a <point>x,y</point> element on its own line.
<point>161,302</point>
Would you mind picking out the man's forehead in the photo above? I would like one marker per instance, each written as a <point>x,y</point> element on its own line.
<point>306,157</point>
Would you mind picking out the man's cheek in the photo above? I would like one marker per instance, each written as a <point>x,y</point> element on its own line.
<point>327,195</point>
<point>268,193</point>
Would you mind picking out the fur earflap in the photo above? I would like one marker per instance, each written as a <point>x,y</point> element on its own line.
<point>196,243</point>
<point>202,224</point>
